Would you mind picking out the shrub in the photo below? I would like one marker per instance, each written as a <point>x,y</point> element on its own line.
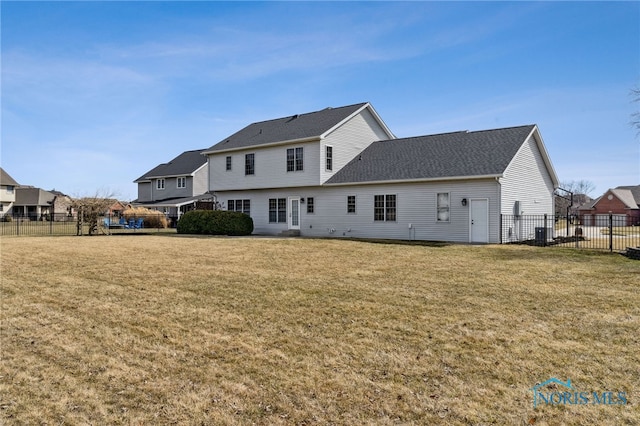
<point>152,218</point>
<point>215,222</point>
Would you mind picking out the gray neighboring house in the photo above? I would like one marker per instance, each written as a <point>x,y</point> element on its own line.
<point>174,187</point>
<point>7,193</point>
<point>33,203</point>
<point>340,172</point>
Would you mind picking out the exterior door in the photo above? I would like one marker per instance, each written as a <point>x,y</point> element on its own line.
<point>479,221</point>
<point>294,213</point>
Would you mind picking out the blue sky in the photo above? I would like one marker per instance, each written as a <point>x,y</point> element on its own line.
<point>95,94</point>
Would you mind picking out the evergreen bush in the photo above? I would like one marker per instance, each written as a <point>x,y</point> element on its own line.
<point>215,222</point>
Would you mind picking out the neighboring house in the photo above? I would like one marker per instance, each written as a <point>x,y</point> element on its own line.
<point>7,192</point>
<point>33,203</point>
<point>62,206</point>
<point>174,187</point>
<point>622,202</point>
<point>117,208</point>
<point>341,172</point>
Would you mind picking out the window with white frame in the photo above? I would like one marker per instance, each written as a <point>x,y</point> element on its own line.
<point>384,207</point>
<point>310,205</point>
<point>277,210</point>
<point>329,158</point>
<point>243,206</point>
<point>9,189</point>
<point>159,183</point>
<point>442,207</point>
<point>228,163</point>
<point>182,182</point>
<point>250,164</point>
<point>295,161</point>
<point>351,203</point>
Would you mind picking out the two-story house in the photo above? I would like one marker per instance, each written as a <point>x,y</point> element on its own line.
<point>7,192</point>
<point>174,187</point>
<point>273,169</point>
<point>342,172</point>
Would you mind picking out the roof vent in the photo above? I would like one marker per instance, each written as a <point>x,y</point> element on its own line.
<point>293,117</point>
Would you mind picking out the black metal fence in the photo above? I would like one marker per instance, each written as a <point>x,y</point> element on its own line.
<point>610,232</point>
<point>63,224</point>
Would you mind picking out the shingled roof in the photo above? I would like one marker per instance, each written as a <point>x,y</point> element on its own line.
<point>448,155</point>
<point>291,128</point>
<point>183,165</point>
<point>6,179</point>
<point>30,196</point>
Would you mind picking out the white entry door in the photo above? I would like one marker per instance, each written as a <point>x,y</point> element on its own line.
<point>294,213</point>
<point>479,221</point>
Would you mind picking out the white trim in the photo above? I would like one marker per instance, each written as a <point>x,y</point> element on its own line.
<point>178,182</point>
<point>470,204</point>
<point>448,207</point>
<point>290,224</point>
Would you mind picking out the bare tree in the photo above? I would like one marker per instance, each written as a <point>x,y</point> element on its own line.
<point>90,209</point>
<point>571,194</point>
<point>583,186</point>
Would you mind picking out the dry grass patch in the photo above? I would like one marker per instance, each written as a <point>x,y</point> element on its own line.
<point>160,329</point>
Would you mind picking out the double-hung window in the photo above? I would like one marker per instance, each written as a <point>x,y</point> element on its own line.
<point>310,205</point>
<point>351,203</point>
<point>277,210</point>
<point>384,207</point>
<point>228,164</point>
<point>243,206</point>
<point>295,160</point>
<point>442,207</point>
<point>328,158</point>
<point>182,182</point>
<point>160,184</point>
<point>250,164</point>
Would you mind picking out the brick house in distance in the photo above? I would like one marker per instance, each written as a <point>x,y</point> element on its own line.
<point>622,202</point>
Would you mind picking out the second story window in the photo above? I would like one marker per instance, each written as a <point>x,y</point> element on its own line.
<point>160,184</point>
<point>9,189</point>
<point>329,158</point>
<point>228,162</point>
<point>295,161</point>
<point>249,164</point>
<point>182,182</point>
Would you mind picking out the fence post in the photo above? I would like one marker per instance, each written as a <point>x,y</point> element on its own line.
<point>51,219</point>
<point>544,232</point>
<point>18,226</point>
<point>501,240</point>
<point>610,232</point>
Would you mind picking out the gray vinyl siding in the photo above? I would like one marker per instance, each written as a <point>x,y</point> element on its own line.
<point>171,189</point>
<point>416,204</point>
<point>144,191</point>
<point>270,168</point>
<point>349,140</point>
<point>527,180</point>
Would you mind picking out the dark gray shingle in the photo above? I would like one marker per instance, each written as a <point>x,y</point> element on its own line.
<point>457,154</point>
<point>184,164</point>
<point>301,126</point>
